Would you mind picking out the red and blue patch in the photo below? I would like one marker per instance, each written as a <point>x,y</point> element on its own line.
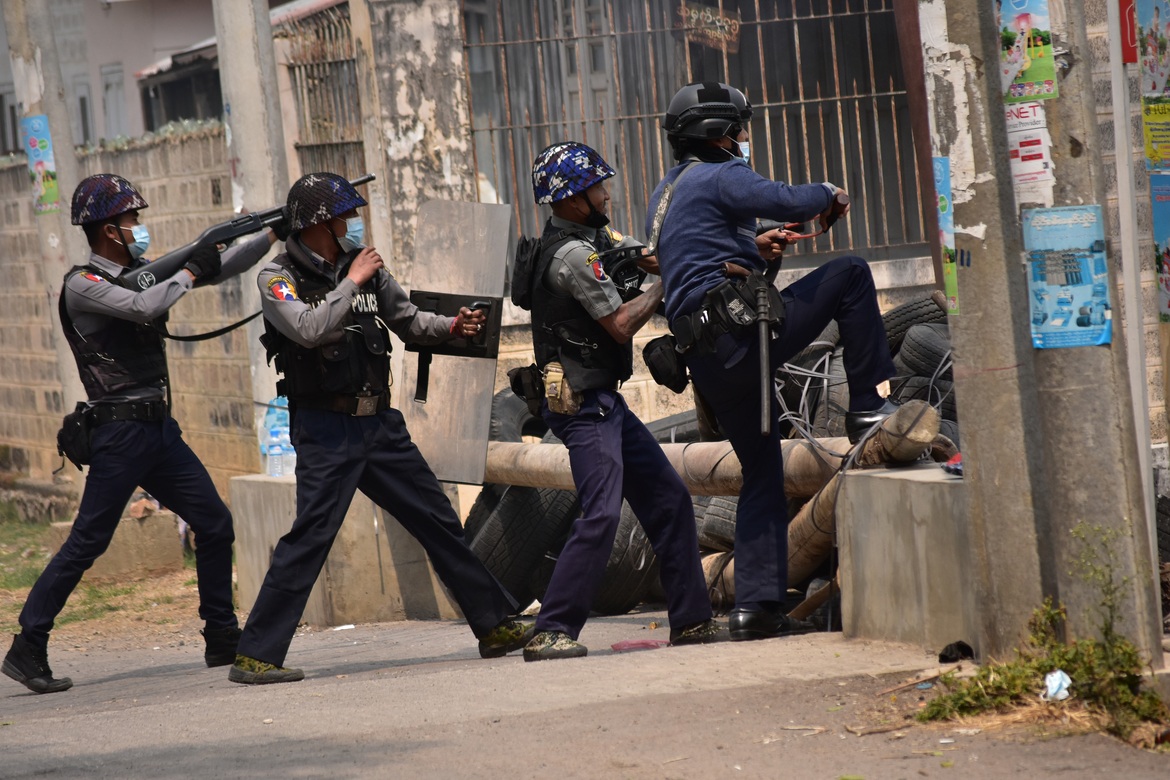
<point>282,289</point>
<point>92,277</point>
<point>598,271</point>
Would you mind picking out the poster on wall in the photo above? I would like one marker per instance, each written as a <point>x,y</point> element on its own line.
<point>1068,277</point>
<point>42,170</point>
<point>1153,31</point>
<point>1160,206</point>
<point>1030,153</point>
<point>1026,68</point>
<point>946,231</point>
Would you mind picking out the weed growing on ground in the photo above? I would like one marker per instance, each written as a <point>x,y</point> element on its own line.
<point>1106,672</point>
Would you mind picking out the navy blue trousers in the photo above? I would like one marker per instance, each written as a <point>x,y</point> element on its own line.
<point>127,455</point>
<point>338,454</point>
<point>612,456</point>
<point>843,290</point>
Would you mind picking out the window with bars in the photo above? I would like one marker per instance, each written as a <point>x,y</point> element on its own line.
<point>823,76</point>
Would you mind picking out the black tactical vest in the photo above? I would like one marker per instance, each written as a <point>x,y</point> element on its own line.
<point>563,331</point>
<point>122,356</point>
<point>357,363</point>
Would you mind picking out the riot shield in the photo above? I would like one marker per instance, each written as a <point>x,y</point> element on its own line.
<point>461,256</point>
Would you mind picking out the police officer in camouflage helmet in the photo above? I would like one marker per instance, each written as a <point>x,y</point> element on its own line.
<point>116,335</point>
<point>582,331</point>
<point>708,242</point>
<point>329,307</point>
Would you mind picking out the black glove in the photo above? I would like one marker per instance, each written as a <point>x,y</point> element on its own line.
<point>204,262</point>
<point>281,228</point>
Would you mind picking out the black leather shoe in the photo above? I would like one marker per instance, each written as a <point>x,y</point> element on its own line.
<point>28,664</point>
<point>221,645</point>
<point>857,423</point>
<point>746,624</point>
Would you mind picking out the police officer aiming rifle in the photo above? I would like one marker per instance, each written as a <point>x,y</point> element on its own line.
<point>125,431</point>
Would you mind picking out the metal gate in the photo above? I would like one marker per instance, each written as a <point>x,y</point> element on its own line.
<point>824,77</point>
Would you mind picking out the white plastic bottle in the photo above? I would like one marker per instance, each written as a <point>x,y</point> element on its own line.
<point>289,453</point>
<point>275,454</point>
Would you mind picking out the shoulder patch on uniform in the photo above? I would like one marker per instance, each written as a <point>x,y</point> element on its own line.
<point>92,276</point>
<point>282,288</point>
<point>594,262</point>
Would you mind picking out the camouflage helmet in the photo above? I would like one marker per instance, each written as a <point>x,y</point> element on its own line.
<point>566,169</point>
<point>705,110</point>
<point>102,196</point>
<point>319,197</point>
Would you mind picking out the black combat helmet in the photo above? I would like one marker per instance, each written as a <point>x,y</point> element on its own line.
<point>704,111</point>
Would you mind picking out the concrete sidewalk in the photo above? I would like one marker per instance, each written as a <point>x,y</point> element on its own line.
<point>415,700</point>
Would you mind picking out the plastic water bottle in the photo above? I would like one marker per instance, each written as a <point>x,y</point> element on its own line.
<point>275,418</point>
<point>289,454</point>
<point>275,453</point>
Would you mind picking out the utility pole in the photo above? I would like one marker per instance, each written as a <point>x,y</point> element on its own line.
<point>1050,451</point>
<point>255,140</point>
<point>40,92</point>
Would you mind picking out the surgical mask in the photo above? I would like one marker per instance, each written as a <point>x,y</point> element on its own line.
<point>355,234</point>
<point>141,240</point>
<point>745,150</point>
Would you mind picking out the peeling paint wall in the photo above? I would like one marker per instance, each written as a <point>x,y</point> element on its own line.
<point>425,120</point>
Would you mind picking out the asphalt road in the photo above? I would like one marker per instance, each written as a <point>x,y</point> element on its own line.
<point>415,700</point>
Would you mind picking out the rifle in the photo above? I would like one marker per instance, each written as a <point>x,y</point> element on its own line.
<point>146,276</point>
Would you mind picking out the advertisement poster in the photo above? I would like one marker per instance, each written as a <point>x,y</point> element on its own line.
<point>1153,31</point>
<point>1030,152</point>
<point>1068,277</point>
<point>42,171</point>
<point>946,231</point>
<point>1160,204</point>
<point>1026,68</point>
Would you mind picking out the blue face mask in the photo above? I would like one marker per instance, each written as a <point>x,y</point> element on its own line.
<point>745,150</point>
<point>141,240</point>
<point>355,234</point>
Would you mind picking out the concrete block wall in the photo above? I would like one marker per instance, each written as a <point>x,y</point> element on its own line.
<point>31,400</point>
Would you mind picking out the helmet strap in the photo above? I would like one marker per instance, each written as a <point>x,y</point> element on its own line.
<point>594,219</point>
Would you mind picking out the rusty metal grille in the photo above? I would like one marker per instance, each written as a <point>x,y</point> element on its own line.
<point>824,77</point>
<point>323,73</point>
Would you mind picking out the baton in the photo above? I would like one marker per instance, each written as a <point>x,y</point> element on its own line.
<point>763,324</point>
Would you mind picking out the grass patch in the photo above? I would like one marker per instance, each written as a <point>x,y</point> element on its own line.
<point>24,552</point>
<point>91,601</point>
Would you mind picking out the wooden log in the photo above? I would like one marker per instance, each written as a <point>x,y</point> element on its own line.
<point>719,573</point>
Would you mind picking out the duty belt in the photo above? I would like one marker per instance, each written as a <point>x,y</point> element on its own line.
<point>355,405</point>
<point>142,411</point>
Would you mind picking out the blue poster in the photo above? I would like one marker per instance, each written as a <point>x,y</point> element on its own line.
<point>42,169</point>
<point>1068,277</point>
<point>946,231</point>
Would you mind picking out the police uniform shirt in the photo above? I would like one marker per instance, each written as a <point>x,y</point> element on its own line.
<point>92,301</point>
<point>312,326</point>
<point>575,270</point>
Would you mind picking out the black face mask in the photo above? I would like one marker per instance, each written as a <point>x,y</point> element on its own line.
<point>594,219</point>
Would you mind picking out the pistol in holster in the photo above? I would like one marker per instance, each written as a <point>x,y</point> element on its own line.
<point>561,397</point>
<point>527,383</point>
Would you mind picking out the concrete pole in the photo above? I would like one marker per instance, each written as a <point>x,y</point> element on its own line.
<point>1085,398</point>
<point>994,380</point>
<point>40,90</point>
<point>255,139</point>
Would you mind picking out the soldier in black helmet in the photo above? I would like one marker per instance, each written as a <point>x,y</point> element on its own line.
<point>329,306</point>
<point>116,336</point>
<point>704,214</point>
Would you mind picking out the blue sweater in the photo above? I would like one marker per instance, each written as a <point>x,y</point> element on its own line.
<point>712,219</point>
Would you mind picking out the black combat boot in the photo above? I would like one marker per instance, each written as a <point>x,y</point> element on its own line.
<point>221,645</point>
<point>28,664</point>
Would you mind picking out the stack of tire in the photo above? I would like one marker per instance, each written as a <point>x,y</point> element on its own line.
<point>518,531</point>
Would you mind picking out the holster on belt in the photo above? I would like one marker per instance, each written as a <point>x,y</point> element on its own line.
<point>729,307</point>
<point>561,397</point>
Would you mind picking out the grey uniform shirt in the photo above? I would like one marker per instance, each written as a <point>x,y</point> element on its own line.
<point>92,302</point>
<point>575,270</point>
<point>312,326</point>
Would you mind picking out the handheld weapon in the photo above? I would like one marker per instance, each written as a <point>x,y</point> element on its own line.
<point>146,276</point>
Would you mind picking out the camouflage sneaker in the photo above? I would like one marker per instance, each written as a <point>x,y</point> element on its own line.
<point>251,671</point>
<point>699,634</point>
<point>507,636</point>
<point>553,644</point>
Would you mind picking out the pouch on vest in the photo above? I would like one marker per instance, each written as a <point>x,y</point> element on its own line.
<point>527,257</point>
<point>527,383</point>
<point>73,438</point>
<point>557,391</point>
<point>665,363</point>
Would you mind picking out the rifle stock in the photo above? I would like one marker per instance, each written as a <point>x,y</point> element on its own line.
<point>172,262</point>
